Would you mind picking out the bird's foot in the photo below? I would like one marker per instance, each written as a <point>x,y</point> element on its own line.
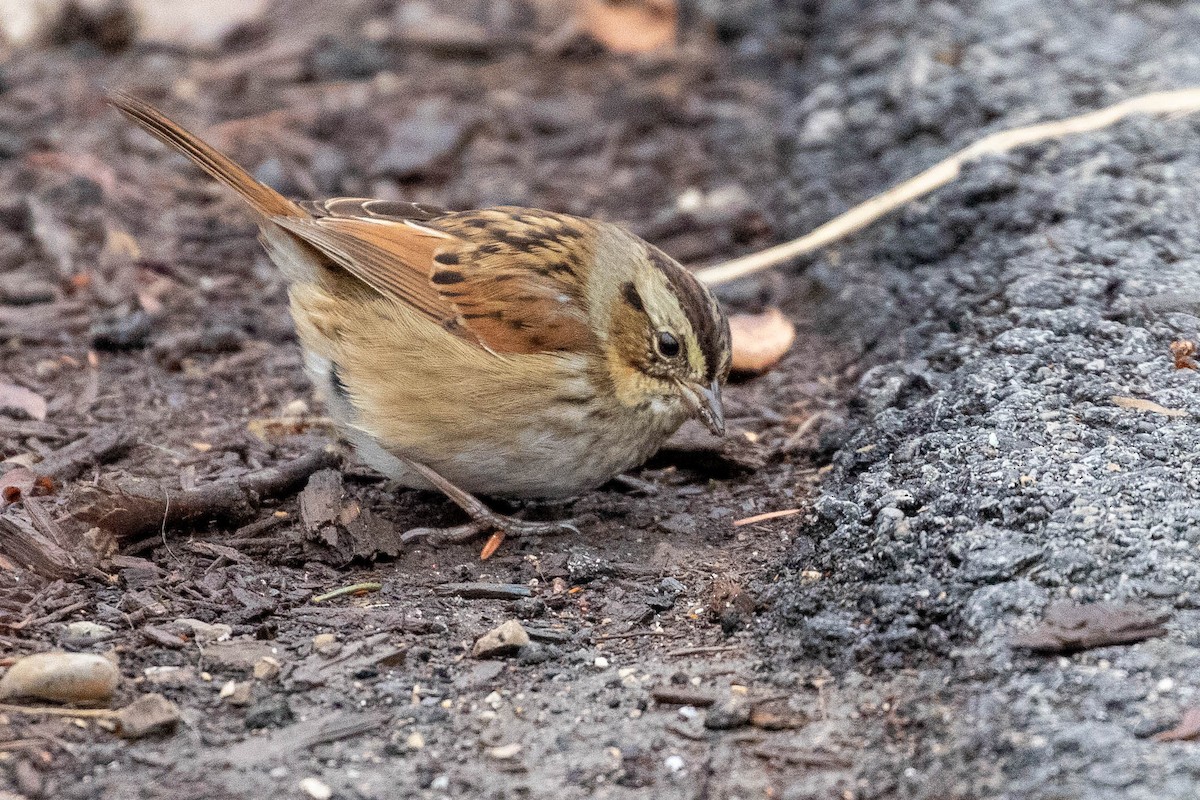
<point>487,522</point>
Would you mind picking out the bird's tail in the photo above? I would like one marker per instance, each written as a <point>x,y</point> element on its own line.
<point>263,198</point>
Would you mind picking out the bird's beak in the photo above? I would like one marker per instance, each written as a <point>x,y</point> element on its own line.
<point>706,404</point>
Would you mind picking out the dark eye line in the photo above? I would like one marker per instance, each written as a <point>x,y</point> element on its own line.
<point>630,293</point>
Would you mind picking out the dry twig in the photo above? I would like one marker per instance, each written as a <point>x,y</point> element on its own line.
<point>137,508</point>
<point>1181,101</point>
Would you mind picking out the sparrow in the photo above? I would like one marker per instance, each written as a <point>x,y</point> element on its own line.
<point>505,352</point>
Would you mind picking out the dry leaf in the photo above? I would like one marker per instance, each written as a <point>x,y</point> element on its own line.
<point>1139,404</point>
<point>631,26</point>
<point>1187,729</point>
<point>16,483</point>
<point>18,398</point>
<point>492,545</point>
<point>1183,351</point>
<point>22,482</point>
<point>760,340</point>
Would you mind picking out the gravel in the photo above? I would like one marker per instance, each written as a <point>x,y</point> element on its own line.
<point>991,473</point>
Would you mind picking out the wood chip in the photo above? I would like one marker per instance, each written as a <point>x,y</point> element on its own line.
<point>134,507</point>
<point>631,26</point>
<point>760,340</point>
<point>1070,627</point>
<point>1139,404</point>
<point>27,401</point>
<point>484,591</point>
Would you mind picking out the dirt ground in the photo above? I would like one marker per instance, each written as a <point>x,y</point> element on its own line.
<point>944,426</point>
<point>138,305</point>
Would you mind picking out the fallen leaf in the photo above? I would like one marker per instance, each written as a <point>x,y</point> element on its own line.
<point>1187,729</point>
<point>631,26</point>
<point>491,546</point>
<point>760,340</point>
<point>1069,627</point>
<point>1139,404</point>
<point>1183,351</point>
<point>18,398</point>
<point>15,484</point>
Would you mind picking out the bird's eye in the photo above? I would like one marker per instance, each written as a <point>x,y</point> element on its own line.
<point>667,344</point>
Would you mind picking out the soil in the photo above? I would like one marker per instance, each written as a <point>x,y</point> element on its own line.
<point>943,427</point>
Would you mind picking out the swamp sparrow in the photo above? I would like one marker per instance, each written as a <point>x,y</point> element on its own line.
<point>506,351</point>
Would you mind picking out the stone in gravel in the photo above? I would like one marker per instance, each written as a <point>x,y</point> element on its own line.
<point>536,653</point>
<point>130,332</point>
<point>237,693</point>
<point>272,712</point>
<point>680,524</point>
<point>267,668</point>
<point>585,564</point>
<point>502,640</point>
<point>732,711</point>
<point>62,677</point>
<point>482,674</point>
<point>334,59</point>
<point>149,715</point>
<point>316,788</point>
<point>529,607</point>
<point>326,644</point>
<point>505,752</point>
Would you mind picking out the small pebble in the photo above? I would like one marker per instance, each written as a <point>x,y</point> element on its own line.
<point>267,668</point>
<point>415,741</point>
<point>674,763</point>
<point>505,752</point>
<point>236,693</point>
<point>731,712</point>
<point>62,677</point>
<point>601,662</point>
<point>326,644</point>
<point>316,788</point>
<point>149,715</point>
<point>501,641</point>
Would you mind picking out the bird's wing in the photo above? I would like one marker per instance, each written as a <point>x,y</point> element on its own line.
<point>513,280</point>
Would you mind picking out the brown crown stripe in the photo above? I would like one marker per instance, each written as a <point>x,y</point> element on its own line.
<point>706,318</point>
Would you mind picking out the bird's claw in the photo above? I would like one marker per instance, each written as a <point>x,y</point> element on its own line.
<point>510,526</point>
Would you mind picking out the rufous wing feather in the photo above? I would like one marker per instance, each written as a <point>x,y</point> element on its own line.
<point>509,279</point>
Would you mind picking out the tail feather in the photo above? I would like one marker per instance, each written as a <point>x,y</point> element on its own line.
<point>263,198</point>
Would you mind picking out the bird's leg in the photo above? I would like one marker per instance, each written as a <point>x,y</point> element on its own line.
<point>483,519</point>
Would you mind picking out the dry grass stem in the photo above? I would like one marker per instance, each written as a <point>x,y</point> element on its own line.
<point>1181,101</point>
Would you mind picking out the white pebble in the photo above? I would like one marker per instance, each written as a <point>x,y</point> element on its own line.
<point>316,788</point>
<point>674,763</point>
<point>601,662</point>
